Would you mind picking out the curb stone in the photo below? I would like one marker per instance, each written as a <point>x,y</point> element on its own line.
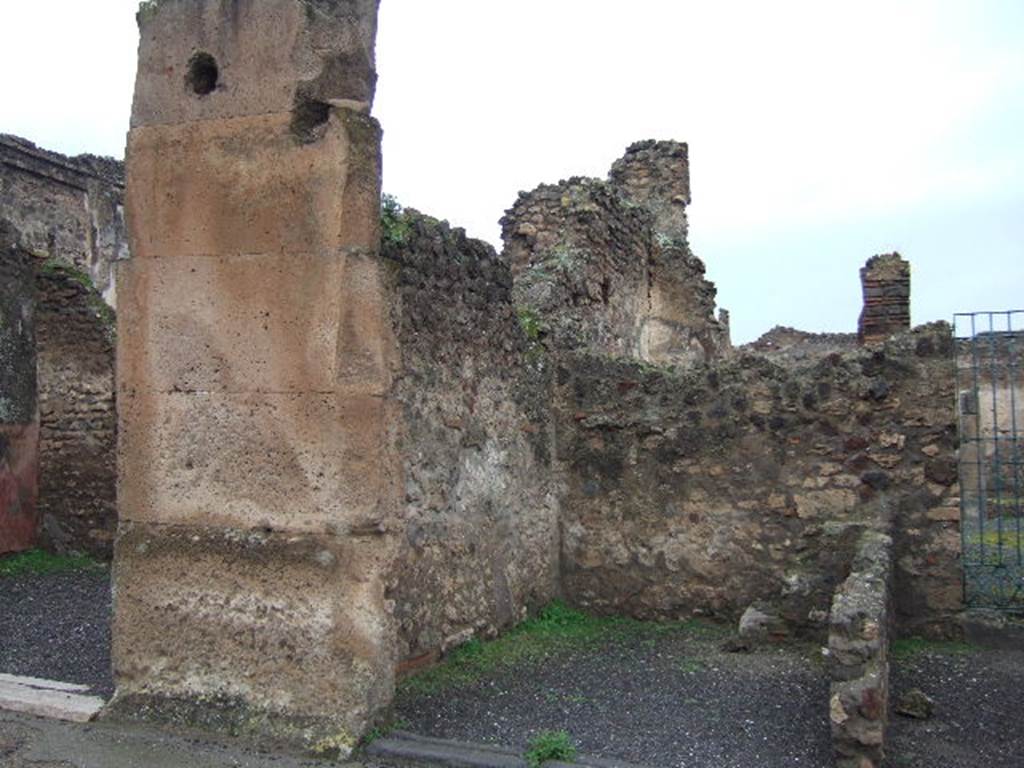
<point>410,749</point>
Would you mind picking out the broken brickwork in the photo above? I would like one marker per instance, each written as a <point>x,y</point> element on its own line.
<point>78,415</point>
<point>886,285</point>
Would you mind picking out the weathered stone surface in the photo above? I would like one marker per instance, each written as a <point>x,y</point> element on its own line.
<point>605,266</point>
<point>270,57</point>
<point>244,186</point>
<point>45,698</point>
<point>286,462</point>
<point>18,392</point>
<point>481,530</point>
<point>746,480</point>
<point>270,634</point>
<point>756,625</point>
<point>915,703</point>
<point>232,324</point>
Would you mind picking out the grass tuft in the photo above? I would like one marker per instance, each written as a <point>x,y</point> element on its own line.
<point>36,561</point>
<point>550,745</point>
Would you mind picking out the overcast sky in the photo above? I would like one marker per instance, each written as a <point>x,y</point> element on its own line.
<point>820,132</point>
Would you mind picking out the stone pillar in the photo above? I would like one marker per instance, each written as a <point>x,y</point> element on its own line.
<point>886,283</point>
<point>258,481</point>
<point>19,415</point>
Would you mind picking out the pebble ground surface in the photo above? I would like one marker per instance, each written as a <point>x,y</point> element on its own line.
<point>671,700</point>
<point>57,626</point>
<point>978,720</point>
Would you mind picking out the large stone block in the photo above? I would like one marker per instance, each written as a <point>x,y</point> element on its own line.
<point>272,635</point>
<point>248,186</point>
<point>205,60</point>
<point>281,462</point>
<point>231,323</point>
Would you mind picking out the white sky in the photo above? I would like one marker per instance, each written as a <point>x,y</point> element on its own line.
<point>820,132</point>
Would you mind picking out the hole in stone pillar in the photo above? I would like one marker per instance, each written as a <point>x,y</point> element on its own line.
<point>307,116</point>
<point>202,74</point>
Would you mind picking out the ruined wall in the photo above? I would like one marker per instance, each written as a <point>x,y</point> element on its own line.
<point>66,208</point>
<point>578,255</point>
<point>259,483</point>
<point>790,345</point>
<point>78,420</point>
<point>19,417</point>
<point>481,529</point>
<point>747,482</point>
<point>69,214</point>
<point>605,266</point>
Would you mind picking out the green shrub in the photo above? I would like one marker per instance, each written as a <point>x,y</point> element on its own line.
<point>394,227</point>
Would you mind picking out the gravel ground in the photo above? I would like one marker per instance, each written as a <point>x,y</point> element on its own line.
<point>672,701</point>
<point>979,711</point>
<point>57,626</point>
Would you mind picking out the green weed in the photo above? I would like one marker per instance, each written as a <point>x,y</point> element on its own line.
<point>550,745</point>
<point>36,561</point>
<point>555,629</point>
<point>382,731</point>
<point>530,322</point>
<point>908,647</point>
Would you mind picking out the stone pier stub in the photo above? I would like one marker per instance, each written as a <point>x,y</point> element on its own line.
<point>886,283</point>
<point>258,481</point>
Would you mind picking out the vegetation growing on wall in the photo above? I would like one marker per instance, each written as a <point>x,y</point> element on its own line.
<point>394,227</point>
<point>94,299</point>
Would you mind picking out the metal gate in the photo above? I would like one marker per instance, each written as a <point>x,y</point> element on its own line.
<point>990,388</point>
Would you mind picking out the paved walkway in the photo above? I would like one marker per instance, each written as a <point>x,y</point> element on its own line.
<point>30,742</point>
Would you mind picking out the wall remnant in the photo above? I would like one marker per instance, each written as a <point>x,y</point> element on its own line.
<point>259,485</point>
<point>19,415</point>
<point>886,284</point>
<point>747,481</point>
<point>858,652</point>
<point>66,208</point>
<point>78,418</point>
<point>69,214</point>
<point>606,266</point>
<point>481,519</point>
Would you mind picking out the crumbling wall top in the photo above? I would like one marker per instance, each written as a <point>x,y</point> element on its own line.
<point>656,175</point>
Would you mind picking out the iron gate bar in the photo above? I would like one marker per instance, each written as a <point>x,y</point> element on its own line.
<point>989,438</point>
